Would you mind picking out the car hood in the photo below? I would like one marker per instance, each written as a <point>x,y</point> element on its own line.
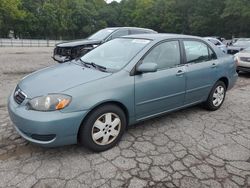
<point>78,43</point>
<point>243,54</point>
<point>58,78</point>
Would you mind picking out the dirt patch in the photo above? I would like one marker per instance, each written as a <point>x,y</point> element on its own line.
<point>18,72</point>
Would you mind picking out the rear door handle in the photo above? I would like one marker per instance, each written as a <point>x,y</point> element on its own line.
<point>180,73</point>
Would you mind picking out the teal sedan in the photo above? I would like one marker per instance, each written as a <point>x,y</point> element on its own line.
<point>93,99</point>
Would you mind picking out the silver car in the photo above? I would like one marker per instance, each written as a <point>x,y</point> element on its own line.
<point>217,43</point>
<point>243,60</point>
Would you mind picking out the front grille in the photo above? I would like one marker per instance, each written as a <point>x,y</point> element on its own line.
<point>246,59</point>
<point>232,51</point>
<point>19,96</point>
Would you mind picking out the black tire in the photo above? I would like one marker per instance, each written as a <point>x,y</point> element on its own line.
<point>209,105</point>
<point>238,71</point>
<point>86,129</point>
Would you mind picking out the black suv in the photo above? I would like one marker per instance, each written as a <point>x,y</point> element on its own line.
<point>68,51</point>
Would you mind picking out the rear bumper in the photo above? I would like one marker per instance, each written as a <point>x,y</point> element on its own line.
<point>232,81</point>
<point>45,128</point>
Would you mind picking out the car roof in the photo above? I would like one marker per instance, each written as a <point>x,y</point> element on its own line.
<point>160,36</point>
<point>139,28</point>
<point>211,38</point>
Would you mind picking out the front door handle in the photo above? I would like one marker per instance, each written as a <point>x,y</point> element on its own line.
<point>180,73</point>
<point>214,65</point>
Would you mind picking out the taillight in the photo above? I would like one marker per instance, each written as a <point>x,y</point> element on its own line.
<point>236,60</point>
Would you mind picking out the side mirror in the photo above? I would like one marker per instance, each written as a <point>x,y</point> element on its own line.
<point>147,67</point>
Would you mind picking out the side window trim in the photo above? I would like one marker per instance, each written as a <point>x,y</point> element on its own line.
<point>197,40</point>
<point>159,43</point>
<point>182,58</point>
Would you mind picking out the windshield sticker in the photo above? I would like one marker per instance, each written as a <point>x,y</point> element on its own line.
<point>140,41</point>
<point>110,30</point>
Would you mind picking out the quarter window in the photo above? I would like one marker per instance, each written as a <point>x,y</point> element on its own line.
<point>197,52</point>
<point>165,55</point>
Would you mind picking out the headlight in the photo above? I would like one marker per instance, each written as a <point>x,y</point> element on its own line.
<point>50,102</point>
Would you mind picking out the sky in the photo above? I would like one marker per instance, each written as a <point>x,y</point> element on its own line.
<point>109,1</point>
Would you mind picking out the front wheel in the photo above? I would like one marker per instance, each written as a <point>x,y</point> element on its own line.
<point>216,96</point>
<point>103,128</point>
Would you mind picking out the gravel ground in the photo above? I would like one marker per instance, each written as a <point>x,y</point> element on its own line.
<point>190,148</point>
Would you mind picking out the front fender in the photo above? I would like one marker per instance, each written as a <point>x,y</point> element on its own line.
<point>118,87</point>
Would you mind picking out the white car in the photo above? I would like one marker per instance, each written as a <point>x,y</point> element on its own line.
<point>217,43</point>
<point>243,60</point>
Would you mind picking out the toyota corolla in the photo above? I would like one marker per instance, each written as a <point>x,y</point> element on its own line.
<point>124,81</point>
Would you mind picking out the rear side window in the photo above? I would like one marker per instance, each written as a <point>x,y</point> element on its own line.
<point>197,52</point>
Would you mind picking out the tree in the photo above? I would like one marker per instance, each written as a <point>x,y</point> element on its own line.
<point>10,14</point>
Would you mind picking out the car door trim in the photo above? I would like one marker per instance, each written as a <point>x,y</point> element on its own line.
<point>167,111</point>
<point>160,98</point>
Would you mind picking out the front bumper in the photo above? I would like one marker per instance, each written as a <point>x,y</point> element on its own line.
<point>45,128</point>
<point>243,66</point>
<point>244,69</point>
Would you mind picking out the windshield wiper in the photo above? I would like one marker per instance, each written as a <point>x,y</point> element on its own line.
<point>96,66</point>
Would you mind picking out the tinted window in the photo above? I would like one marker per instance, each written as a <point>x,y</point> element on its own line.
<point>119,33</point>
<point>197,52</point>
<point>165,55</point>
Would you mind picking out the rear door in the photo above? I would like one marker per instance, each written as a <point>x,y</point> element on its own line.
<point>201,70</point>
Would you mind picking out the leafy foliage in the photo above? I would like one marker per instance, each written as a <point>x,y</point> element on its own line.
<point>70,19</point>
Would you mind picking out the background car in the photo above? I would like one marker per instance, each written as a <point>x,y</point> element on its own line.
<point>239,45</point>
<point>217,43</point>
<point>119,83</point>
<point>243,60</point>
<point>67,51</point>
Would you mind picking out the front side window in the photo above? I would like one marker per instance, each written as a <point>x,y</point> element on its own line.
<point>197,52</point>
<point>165,55</point>
<point>116,53</point>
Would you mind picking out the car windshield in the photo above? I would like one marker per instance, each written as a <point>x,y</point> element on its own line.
<point>102,34</point>
<point>242,42</point>
<point>115,54</point>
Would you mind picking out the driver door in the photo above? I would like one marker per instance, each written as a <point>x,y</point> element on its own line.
<point>163,90</point>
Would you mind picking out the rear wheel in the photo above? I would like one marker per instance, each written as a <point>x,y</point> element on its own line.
<point>216,96</point>
<point>103,128</point>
